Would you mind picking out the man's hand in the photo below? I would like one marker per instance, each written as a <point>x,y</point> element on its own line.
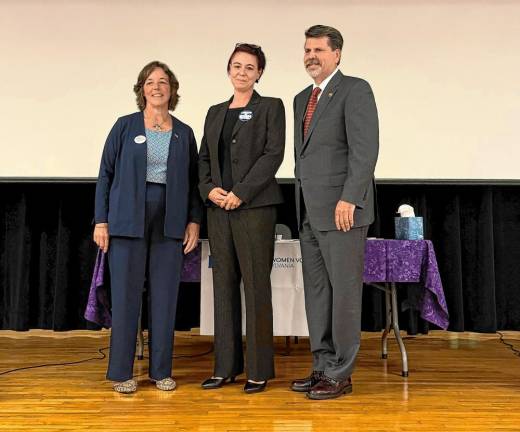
<point>231,202</point>
<point>217,196</point>
<point>344,215</point>
<point>191,237</point>
<point>101,236</point>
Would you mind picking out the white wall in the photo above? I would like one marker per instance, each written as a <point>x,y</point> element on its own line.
<point>445,75</point>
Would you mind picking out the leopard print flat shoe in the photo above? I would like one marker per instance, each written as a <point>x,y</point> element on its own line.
<point>166,384</point>
<point>128,386</point>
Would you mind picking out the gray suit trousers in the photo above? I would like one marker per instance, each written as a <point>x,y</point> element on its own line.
<point>242,246</point>
<point>333,263</point>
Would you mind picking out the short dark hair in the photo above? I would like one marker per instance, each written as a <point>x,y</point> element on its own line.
<point>252,49</point>
<point>145,73</point>
<point>335,39</point>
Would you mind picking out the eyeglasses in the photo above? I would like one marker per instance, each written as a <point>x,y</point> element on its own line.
<point>248,45</point>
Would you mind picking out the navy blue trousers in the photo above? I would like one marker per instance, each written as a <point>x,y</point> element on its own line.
<point>158,260</point>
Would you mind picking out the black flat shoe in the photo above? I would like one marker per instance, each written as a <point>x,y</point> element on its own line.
<point>214,383</point>
<point>251,387</point>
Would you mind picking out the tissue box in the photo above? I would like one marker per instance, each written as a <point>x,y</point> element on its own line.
<point>409,228</point>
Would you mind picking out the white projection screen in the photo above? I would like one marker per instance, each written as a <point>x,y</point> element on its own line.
<point>446,75</point>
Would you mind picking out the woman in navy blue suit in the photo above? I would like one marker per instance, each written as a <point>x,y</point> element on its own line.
<point>147,213</point>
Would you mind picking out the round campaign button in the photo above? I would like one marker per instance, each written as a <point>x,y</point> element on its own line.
<point>245,115</point>
<point>140,139</point>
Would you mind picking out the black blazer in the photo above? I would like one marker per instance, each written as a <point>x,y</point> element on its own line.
<point>257,150</point>
<point>121,185</point>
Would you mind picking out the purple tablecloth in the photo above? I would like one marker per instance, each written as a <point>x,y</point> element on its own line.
<point>409,261</point>
<point>191,266</point>
<point>385,261</point>
<point>98,307</point>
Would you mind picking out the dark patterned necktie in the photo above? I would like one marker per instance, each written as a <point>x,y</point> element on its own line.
<point>311,107</point>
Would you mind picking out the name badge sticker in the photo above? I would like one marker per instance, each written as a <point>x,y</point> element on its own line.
<point>140,139</point>
<point>245,115</point>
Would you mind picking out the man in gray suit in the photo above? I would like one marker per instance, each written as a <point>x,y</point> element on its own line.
<point>336,141</point>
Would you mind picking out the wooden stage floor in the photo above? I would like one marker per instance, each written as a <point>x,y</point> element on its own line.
<point>457,382</point>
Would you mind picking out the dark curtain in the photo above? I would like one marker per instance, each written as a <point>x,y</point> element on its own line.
<point>47,255</point>
<point>476,234</point>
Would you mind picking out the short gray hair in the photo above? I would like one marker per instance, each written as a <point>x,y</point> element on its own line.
<point>335,39</point>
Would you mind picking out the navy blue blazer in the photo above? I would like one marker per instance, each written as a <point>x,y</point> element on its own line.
<point>121,185</point>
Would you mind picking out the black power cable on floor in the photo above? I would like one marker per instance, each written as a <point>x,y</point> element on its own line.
<point>516,351</point>
<point>100,351</point>
<point>103,356</point>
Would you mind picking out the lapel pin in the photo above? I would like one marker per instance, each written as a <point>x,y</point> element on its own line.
<point>330,94</point>
<point>245,115</point>
<point>139,139</point>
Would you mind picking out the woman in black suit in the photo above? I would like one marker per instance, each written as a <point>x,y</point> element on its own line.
<point>242,148</point>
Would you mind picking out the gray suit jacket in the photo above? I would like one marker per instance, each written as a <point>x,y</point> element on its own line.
<point>257,152</point>
<point>337,158</point>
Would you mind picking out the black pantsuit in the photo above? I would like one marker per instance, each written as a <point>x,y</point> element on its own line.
<point>242,245</point>
<point>243,157</point>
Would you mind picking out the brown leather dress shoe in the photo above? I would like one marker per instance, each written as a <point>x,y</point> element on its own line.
<point>329,388</point>
<point>307,383</point>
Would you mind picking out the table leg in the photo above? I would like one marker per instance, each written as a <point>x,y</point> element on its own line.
<point>395,326</point>
<point>388,322</point>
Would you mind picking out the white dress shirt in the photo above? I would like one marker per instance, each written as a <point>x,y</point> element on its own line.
<point>324,83</point>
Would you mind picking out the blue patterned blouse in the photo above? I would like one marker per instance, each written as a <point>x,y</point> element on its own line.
<point>157,155</point>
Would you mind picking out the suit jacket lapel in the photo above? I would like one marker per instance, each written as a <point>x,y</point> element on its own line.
<point>299,115</point>
<point>325,98</point>
<point>173,149</point>
<point>142,149</point>
<point>255,98</point>
<point>217,125</point>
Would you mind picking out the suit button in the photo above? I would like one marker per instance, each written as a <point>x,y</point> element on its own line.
<point>302,157</point>
<point>235,160</point>
<point>234,141</point>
